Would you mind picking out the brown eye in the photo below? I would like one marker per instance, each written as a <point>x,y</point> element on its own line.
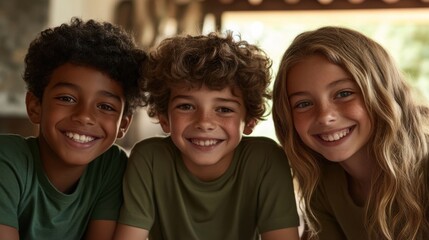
<point>106,107</point>
<point>185,107</point>
<point>224,110</point>
<point>67,99</point>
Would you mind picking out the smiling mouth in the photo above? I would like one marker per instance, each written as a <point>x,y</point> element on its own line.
<point>335,136</point>
<point>205,142</point>
<point>79,138</point>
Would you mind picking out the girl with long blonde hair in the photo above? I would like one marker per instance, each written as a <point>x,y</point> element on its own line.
<point>356,139</point>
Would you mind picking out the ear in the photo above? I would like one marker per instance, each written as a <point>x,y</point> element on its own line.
<point>34,109</point>
<point>125,124</point>
<point>250,125</point>
<point>165,124</point>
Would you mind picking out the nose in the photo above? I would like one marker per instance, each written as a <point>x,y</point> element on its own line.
<point>326,114</point>
<point>84,114</point>
<point>204,121</point>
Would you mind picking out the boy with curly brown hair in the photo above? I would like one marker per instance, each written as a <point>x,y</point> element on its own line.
<point>205,180</point>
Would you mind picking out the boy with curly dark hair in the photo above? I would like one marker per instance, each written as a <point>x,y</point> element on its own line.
<point>207,181</point>
<point>84,83</point>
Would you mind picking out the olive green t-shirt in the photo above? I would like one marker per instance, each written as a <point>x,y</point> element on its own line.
<point>340,218</point>
<point>30,203</point>
<point>253,196</point>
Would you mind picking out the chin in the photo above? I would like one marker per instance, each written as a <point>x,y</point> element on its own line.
<point>335,158</point>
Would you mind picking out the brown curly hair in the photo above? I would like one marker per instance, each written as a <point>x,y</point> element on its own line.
<point>213,61</point>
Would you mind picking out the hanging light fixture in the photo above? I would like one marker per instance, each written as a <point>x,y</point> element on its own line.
<point>391,1</point>
<point>356,1</point>
<point>255,2</point>
<point>292,1</point>
<point>325,2</point>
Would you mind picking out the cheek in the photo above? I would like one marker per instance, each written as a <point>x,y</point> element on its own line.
<point>178,123</point>
<point>300,122</point>
<point>358,112</point>
<point>301,126</point>
<point>51,115</point>
<point>363,117</point>
<point>232,124</point>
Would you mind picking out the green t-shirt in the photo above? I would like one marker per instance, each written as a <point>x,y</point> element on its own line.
<point>340,218</point>
<point>30,203</point>
<point>253,196</point>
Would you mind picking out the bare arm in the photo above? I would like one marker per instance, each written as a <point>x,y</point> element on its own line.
<point>7,232</point>
<point>100,230</point>
<point>281,234</point>
<point>126,232</point>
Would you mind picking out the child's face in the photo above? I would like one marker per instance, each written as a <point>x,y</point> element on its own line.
<point>206,125</point>
<point>328,109</point>
<point>80,115</point>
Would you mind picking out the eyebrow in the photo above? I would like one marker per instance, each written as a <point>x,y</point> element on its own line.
<point>75,87</point>
<point>330,85</point>
<point>217,99</point>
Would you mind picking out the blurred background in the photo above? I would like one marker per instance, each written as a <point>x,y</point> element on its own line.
<point>401,26</point>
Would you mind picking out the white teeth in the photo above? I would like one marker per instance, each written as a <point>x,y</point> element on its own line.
<point>79,138</point>
<point>204,143</point>
<point>335,136</point>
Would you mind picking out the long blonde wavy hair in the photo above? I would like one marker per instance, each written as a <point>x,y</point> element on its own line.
<point>397,207</point>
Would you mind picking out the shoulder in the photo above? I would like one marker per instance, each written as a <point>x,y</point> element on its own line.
<point>12,142</point>
<point>17,164</point>
<point>157,145</point>
<point>260,147</point>
<point>113,158</point>
<point>259,143</point>
<point>155,153</point>
<point>154,141</point>
<point>15,147</point>
<point>115,150</point>
<point>262,153</point>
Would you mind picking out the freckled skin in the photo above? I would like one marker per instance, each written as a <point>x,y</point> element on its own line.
<point>206,126</point>
<point>327,103</point>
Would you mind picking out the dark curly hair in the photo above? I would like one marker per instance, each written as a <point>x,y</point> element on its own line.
<point>214,61</point>
<point>100,45</point>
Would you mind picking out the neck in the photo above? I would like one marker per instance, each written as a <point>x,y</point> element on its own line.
<point>360,173</point>
<point>62,176</point>
<point>208,172</point>
<point>359,176</point>
<point>64,179</point>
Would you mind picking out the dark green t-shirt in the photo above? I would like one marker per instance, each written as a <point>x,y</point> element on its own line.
<point>253,196</point>
<point>30,203</point>
<point>340,218</point>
